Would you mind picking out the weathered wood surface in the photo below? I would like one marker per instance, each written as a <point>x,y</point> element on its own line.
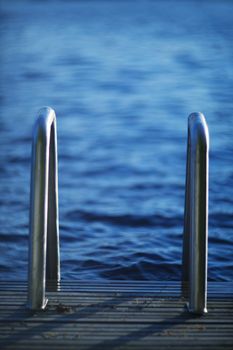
<point>115,315</point>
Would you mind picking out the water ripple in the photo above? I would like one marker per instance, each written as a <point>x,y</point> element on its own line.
<point>123,77</point>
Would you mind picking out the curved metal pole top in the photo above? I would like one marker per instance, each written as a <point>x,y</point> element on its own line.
<point>46,117</point>
<point>198,131</point>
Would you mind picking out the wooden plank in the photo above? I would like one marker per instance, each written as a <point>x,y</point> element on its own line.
<point>115,315</point>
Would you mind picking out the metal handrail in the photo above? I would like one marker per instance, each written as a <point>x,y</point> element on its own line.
<point>44,255</point>
<point>195,236</point>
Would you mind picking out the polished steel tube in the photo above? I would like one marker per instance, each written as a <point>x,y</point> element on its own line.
<point>195,239</point>
<point>44,259</point>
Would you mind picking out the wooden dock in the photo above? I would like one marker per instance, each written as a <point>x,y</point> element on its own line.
<point>115,315</point>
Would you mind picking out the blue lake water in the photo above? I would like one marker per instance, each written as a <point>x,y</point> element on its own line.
<point>122,76</point>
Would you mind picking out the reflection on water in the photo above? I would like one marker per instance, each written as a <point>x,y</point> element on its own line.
<point>122,77</point>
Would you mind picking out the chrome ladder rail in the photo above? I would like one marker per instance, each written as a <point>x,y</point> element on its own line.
<point>44,254</point>
<point>195,235</point>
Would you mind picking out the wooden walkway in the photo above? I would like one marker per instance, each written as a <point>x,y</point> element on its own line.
<point>115,315</point>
